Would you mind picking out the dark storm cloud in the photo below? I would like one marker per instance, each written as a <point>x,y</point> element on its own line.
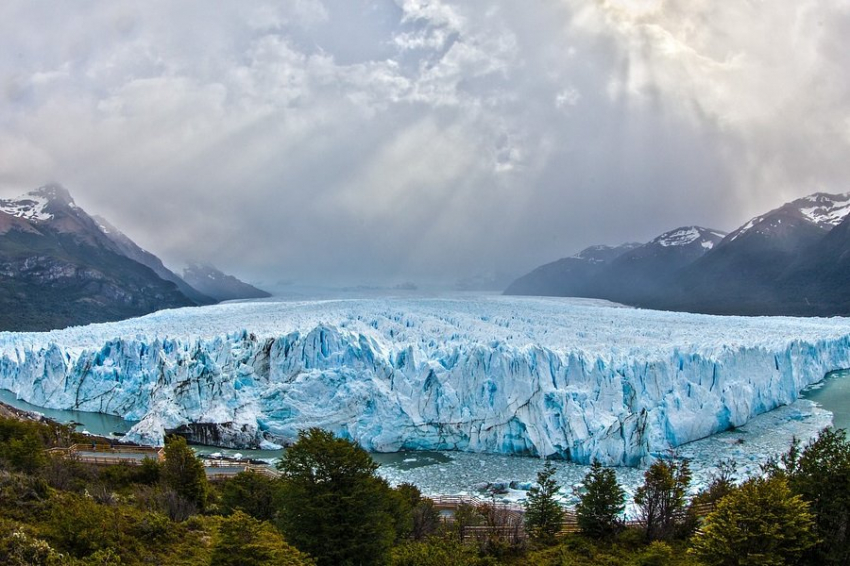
<point>350,141</point>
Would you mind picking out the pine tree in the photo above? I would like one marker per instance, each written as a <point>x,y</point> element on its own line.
<point>761,522</point>
<point>543,514</point>
<point>600,503</point>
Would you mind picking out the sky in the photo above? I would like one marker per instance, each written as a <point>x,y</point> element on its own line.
<point>346,142</point>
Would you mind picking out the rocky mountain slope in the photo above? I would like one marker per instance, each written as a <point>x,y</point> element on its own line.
<point>130,249</point>
<point>58,268</point>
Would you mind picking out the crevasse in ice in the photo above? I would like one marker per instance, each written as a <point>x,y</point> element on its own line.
<point>572,378</point>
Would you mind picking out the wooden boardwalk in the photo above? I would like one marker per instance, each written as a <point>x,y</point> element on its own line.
<point>224,469</point>
<point>512,515</point>
<point>105,454</point>
<point>108,455</point>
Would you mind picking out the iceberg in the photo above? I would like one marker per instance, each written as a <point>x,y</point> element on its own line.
<point>569,378</point>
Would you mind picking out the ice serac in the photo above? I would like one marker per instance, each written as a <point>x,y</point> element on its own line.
<point>576,379</point>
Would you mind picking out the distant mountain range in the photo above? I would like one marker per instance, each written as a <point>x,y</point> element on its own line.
<point>61,267</point>
<point>220,286</point>
<point>794,260</point>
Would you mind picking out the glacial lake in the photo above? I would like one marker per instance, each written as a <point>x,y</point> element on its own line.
<point>833,394</point>
<point>748,446</point>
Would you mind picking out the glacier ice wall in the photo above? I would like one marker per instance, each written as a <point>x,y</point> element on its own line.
<point>579,379</point>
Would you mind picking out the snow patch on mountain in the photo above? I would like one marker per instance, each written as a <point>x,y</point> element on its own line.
<point>29,207</point>
<point>689,235</point>
<point>821,209</point>
<point>827,209</point>
<point>576,379</point>
<point>680,237</point>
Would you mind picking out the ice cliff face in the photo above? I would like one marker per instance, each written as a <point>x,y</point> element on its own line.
<point>579,379</point>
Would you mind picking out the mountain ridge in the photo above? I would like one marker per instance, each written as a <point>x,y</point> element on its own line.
<point>781,262</point>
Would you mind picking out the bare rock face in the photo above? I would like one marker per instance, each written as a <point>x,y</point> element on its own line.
<point>224,435</point>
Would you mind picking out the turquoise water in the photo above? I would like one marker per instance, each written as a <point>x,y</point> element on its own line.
<point>95,423</point>
<point>833,394</point>
<point>104,425</point>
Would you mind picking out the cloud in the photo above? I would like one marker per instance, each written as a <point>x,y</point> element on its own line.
<point>378,140</point>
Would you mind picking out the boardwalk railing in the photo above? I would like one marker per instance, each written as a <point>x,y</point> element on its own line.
<point>510,523</point>
<point>222,469</point>
<point>107,454</point>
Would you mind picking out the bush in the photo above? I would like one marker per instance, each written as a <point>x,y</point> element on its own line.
<point>244,541</point>
<point>184,473</point>
<point>255,494</point>
<point>80,526</point>
<point>820,474</point>
<point>761,522</point>
<point>436,552</point>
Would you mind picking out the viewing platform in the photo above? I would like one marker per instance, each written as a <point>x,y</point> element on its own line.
<point>106,454</point>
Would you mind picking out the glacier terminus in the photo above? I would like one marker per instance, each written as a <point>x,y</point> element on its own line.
<point>570,378</point>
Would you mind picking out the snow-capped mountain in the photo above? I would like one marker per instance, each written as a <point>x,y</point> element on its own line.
<point>631,273</point>
<point>58,267</point>
<point>786,261</point>
<point>687,236</point>
<point>220,286</point>
<point>821,210</point>
<point>639,275</point>
<point>751,270</point>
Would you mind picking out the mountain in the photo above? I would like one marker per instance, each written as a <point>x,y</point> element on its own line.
<point>793,260</point>
<point>750,272</point>
<point>640,274</point>
<point>570,276</point>
<point>817,281</point>
<point>631,273</point>
<point>130,249</point>
<point>58,268</point>
<point>220,286</point>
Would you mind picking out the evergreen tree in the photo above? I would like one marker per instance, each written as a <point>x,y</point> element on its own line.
<point>600,503</point>
<point>543,514</point>
<point>184,473</point>
<point>820,473</point>
<point>334,506</point>
<point>661,498</point>
<point>761,522</point>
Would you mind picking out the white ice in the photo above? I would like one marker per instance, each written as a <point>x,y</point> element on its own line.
<point>576,378</point>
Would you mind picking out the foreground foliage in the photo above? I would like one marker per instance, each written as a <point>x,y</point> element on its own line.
<point>333,504</point>
<point>543,513</point>
<point>331,508</point>
<point>761,522</point>
<point>601,503</point>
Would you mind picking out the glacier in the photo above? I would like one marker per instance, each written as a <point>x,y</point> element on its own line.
<point>570,378</point>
